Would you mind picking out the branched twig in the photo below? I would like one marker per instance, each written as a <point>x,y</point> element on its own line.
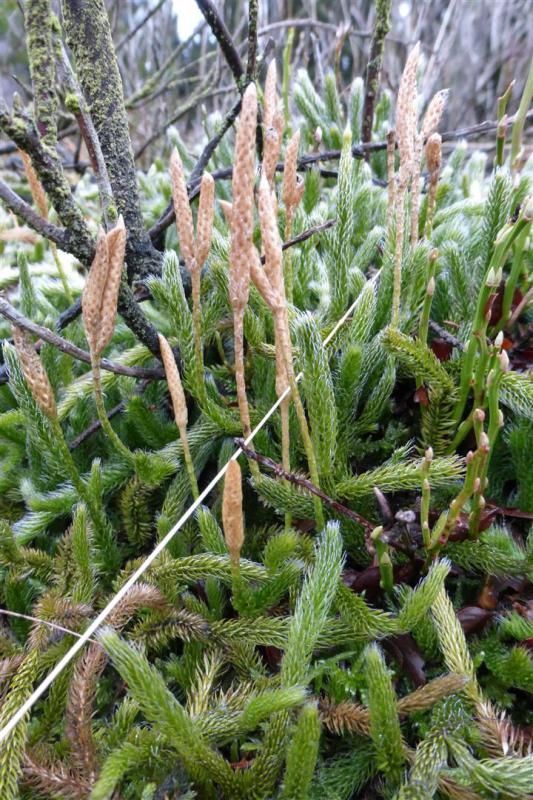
<point>213,143</point>
<point>95,426</point>
<point>304,235</point>
<point>26,212</point>
<point>206,91</point>
<point>303,483</point>
<point>446,335</point>
<point>90,137</point>
<point>9,312</point>
<point>139,26</point>
<point>224,39</point>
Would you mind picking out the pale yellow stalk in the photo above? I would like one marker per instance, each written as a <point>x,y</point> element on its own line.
<point>292,193</point>
<point>274,295</point>
<point>406,132</point>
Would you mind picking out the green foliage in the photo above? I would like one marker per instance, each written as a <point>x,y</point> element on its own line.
<point>384,721</point>
<point>302,755</point>
<point>316,677</point>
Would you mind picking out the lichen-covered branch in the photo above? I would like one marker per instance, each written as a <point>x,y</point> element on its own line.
<point>373,69</point>
<point>89,38</point>
<point>78,106</point>
<point>48,167</point>
<point>40,22</point>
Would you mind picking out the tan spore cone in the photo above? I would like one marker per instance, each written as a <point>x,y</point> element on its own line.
<point>273,125</point>
<point>241,231</point>
<point>232,515</point>
<point>34,373</point>
<point>100,296</point>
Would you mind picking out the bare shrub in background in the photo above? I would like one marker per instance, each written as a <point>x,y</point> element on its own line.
<point>476,46</point>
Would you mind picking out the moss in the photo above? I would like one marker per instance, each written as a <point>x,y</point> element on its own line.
<point>72,103</point>
<point>112,212</point>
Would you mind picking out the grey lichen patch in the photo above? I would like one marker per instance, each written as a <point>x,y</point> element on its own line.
<point>39,32</point>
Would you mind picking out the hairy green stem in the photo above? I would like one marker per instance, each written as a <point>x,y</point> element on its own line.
<point>102,414</point>
<point>300,413</point>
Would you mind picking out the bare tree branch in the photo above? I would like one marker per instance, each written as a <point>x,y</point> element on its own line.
<point>10,312</point>
<point>303,483</point>
<point>224,39</point>
<point>22,209</point>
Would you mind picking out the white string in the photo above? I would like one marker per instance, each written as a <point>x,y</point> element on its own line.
<point>134,577</point>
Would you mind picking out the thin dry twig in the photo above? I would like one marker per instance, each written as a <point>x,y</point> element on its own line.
<point>10,312</point>
<point>305,484</point>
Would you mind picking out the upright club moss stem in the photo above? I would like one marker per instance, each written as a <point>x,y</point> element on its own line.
<point>197,328</point>
<point>96,512</point>
<point>292,190</point>
<point>287,256</point>
<point>102,414</point>
<point>507,236</point>
<point>398,255</point>
<point>512,279</point>
<point>242,399</point>
<point>428,299</point>
<point>285,449</point>
<point>426,498</point>
<point>42,392</point>
<point>302,420</point>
